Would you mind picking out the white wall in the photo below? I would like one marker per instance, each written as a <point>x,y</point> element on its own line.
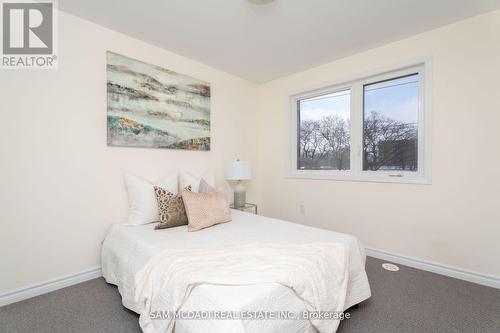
<point>456,220</point>
<point>61,186</point>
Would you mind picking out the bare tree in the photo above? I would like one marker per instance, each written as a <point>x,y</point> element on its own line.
<point>313,147</point>
<point>324,143</point>
<point>388,143</point>
<point>335,130</point>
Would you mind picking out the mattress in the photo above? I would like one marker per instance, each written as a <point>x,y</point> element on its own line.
<point>127,248</point>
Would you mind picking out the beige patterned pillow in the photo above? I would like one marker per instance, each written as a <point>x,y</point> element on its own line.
<point>205,209</point>
<point>171,208</point>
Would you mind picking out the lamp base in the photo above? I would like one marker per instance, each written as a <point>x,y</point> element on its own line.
<point>240,199</point>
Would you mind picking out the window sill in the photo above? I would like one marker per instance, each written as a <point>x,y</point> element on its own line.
<point>349,176</point>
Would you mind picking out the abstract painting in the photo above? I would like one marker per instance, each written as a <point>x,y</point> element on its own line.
<point>150,106</point>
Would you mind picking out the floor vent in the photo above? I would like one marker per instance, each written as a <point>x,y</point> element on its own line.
<point>390,267</point>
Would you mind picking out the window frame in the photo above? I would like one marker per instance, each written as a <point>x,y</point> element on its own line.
<point>356,86</point>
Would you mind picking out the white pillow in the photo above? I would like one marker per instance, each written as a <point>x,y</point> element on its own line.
<point>228,191</point>
<point>143,207</point>
<point>186,178</point>
<point>205,187</point>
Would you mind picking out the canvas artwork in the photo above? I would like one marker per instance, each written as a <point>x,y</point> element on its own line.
<point>150,106</point>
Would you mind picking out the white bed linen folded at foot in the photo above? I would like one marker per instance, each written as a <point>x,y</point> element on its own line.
<point>317,272</point>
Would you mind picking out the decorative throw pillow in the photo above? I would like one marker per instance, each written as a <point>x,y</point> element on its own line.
<point>171,208</point>
<point>143,207</point>
<point>205,209</point>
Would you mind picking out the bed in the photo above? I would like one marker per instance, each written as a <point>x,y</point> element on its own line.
<point>126,249</point>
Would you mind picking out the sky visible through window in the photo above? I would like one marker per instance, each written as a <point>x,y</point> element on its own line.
<point>396,99</point>
<point>316,108</point>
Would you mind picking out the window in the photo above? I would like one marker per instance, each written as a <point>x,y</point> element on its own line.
<point>324,132</point>
<point>390,124</point>
<point>372,129</point>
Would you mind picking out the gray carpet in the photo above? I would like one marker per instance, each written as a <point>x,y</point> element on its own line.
<point>406,301</point>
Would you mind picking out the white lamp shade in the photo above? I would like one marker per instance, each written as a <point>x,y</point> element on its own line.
<point>238,170</point>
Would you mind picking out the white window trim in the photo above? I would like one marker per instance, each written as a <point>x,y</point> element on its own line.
<point>422,176</point>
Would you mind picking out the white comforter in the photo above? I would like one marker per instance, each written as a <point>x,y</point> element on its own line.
<point>316,272</point>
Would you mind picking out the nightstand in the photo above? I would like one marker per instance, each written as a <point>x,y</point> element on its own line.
<point>246,207</point>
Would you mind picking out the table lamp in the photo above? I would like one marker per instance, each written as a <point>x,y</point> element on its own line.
<point>239,170</point>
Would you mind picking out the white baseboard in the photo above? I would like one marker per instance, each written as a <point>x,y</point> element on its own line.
<point>450,271</point>
<point>48,286</point>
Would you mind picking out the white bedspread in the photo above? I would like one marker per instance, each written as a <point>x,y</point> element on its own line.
<point>127,249</point>
<point>316,272</point>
